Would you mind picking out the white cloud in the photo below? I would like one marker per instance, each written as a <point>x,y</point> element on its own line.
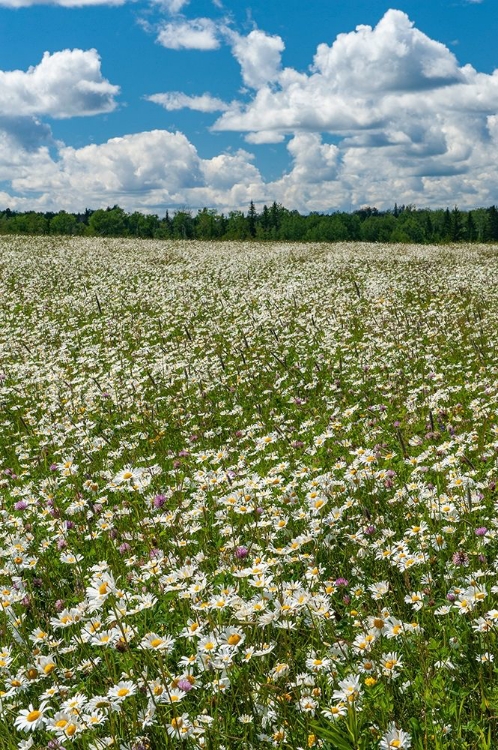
<point>393,56</point>
<point>225,171</point>
<point>383,114</point>
<point>314,161</point>
<point>177,100</point>
<point>198,33</point>
<point>264,136</point>
<point>145,170</point>
<point>155,169</point>
<point>65,84</point>
<point>19,158</point>
<point>259,56</point>
<point>408,120</point>
<point>143,162</point>
<point>350,82</point>
<point>173,6</point>
<point>25,132</point>
<point>60,3</point>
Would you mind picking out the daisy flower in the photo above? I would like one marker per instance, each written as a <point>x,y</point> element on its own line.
<point>122,690</point>
<point>350,690</point>
<point>395,738</point>
<point>64,723</point>
<point>31,718</point>
<point>157,642</point>
<point>128,475</point>
<point>180,727</point>
<point>335,712</point>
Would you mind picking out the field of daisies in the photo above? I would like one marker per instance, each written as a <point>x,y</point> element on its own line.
<point>249,496</point>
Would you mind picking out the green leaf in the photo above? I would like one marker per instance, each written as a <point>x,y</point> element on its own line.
<point>340,740</point>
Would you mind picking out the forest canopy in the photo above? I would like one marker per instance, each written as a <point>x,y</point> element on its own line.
<point>400,224</point>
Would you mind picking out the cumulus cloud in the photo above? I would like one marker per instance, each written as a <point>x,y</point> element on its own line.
<point>155,169</point>
<point>265,136</point>
<point>314,161</point>
<point>225,171</point>
<point>147,170</point>
<point>355,83</point>
<point>393,56</point>
<point>408,119</point>
<point>26,133</point>
<point>259,56</point>
<point>382,114</point>
<point>177,100</point>
<point>139,162</point>
<point>60,3</point>
<point>198,33</point>
<point>22,156</point>
<point>65,84</point>
<point>173,6</point>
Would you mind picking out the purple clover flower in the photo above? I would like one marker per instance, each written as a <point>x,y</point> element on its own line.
<point>20,505</point>
<point>341,581</point>
<point>460,558</point>
<point>159,501</point>
<point>185,685</point>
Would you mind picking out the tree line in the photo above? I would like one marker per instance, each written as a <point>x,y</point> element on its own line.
<point>275,222</point>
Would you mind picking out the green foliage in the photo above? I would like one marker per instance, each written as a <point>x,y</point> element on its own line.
<point>404,224</point>
<point>266,468</point>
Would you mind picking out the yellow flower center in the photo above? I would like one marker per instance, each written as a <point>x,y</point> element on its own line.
<point>123,691</point>
<point>33,716</point>
<point>233,639</point>
<point>156,642</point>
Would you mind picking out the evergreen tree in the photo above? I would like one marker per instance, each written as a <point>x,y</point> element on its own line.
<point>446,228</point>
<point>182,226</point>
<point>470,228</point>
<point>456,227</point>
<point>251,219</point>
<point>492,223</point>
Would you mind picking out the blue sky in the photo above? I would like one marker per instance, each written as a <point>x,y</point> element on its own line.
<point>321,105</point>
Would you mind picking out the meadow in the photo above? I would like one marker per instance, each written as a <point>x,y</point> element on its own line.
<point>249,495</point>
